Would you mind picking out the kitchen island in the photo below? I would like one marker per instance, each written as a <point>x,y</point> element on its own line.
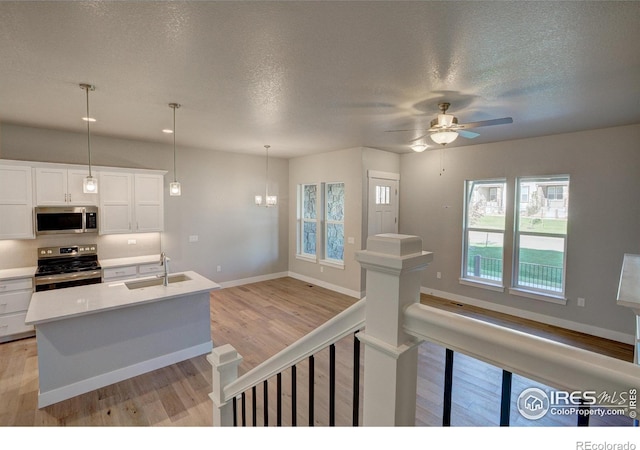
<point>95,335</point>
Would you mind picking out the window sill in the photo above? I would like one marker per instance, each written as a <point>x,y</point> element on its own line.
<point>558,300</point>
<point>334,264</point>
<point>482,285</point>
<point>310,259</point>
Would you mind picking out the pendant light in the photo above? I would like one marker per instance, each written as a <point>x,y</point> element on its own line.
<point>174,188</point>
<point>269,200</point>
<point>90,183</point>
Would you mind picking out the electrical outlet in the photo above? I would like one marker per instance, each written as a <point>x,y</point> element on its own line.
<point>321,269</point>
<point>351,240</point>
<point>580,301</point>
<point>193,238</point>
<point>131,241</point>
<point>219,269</point>
<point>438,275</point>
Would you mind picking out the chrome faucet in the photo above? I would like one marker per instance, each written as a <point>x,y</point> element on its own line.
<point>165,263</point>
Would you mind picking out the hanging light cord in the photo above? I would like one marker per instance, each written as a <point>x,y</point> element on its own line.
<point>266,190</point>
<point>175,176</point>
<point>86,87</point>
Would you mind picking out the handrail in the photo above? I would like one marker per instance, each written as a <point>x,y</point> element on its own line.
<point>348,321</point>
<point>549,362</point>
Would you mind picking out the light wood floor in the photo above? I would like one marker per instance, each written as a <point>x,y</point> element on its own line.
<point>259,320</point>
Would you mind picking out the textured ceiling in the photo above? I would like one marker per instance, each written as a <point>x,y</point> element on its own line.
<point>315,76</point>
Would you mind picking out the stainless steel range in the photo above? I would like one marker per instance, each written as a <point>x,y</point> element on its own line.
<point>61,267</point>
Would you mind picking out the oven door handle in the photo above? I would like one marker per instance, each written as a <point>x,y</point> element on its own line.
<point>68,277</point>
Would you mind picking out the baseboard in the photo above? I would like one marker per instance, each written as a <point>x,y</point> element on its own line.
<point>259,278</point>
<point>324,284</point>
<point>81,387</point>
<point>542,318</point>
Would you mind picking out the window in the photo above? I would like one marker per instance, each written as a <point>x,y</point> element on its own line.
<point>524,194</point>
<point>307,220</point>
<point>382,195</point>
<point>484,225</point>
<point>540,239</point>
<point>334,222</point>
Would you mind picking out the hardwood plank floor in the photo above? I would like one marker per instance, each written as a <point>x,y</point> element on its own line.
<point>259,320</point>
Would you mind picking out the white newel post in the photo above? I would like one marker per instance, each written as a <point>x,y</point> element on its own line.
<point>394,263</point>
<point>224,360</point>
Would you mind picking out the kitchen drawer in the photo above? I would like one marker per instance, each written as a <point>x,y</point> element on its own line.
<point>144,269</point>
<point>14,324</point>
<point>118,273</point>
<point>14,301</point>
<point>16,285</point>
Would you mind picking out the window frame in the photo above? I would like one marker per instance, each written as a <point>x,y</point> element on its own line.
<point>300,253</point>
<point>326,260</point>
<point>517,286</point>
<point>465,277</point>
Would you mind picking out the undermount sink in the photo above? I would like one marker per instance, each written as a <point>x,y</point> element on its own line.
<point>156,281</point>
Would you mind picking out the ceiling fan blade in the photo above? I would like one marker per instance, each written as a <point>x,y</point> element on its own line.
<point>415,129</point>
<point>486,123</point>
<point>468,134</point>
<point>418,138</point>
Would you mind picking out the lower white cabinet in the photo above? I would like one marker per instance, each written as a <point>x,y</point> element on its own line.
<point>130,272</point>
<point>15,296</point>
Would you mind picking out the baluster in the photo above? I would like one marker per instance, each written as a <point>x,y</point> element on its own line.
<point>279,400</point>
<point>266,402</point>
<point>254,407</point>
<point>235,412</point>
<point>448,384</point>
<point>311,389</point>
<point>505,400</point>
<point>356,380</point>
<point>332,385</point>
<point>294,397</point>
<point>583,414</point>
<point>244,410</point>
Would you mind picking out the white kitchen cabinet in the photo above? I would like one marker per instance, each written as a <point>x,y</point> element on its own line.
<point>16,202</point>
<point>121,273</point>
<point>131,202</point>
<point>15,296</point>
<point>60,187</point>
<point>149,202</point>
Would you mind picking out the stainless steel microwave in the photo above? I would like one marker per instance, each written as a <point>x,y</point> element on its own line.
<point>66,219</point>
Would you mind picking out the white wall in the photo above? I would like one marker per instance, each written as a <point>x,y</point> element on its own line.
<point>604,217</point>
<point>339,166</point>
<point>216,205</point>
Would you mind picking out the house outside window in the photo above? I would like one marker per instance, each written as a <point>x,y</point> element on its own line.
<point>307,220</point>
<point>334,223</point>
<point>484,227</point>
<point>540,238</point>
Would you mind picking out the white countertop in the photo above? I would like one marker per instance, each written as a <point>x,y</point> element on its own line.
<point>131,261</point>
<point>629,288</point>
<point>20,272</point>
<point>58,304</point>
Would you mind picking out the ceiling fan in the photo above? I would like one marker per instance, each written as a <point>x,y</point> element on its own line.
<point>445,128</point>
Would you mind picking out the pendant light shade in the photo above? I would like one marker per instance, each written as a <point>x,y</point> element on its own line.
<point>175,189</point>
<point>90,183</point>
<point>267,200</point>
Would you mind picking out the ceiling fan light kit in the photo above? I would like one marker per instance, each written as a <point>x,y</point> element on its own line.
<point>445,129</point>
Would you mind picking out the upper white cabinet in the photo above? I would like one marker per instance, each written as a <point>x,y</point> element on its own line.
<point>16,202</point>
<point>149,202</point>
<point>131,203</point>
<point>58,186</point>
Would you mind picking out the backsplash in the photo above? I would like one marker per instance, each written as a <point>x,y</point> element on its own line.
<point>23,253</point>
